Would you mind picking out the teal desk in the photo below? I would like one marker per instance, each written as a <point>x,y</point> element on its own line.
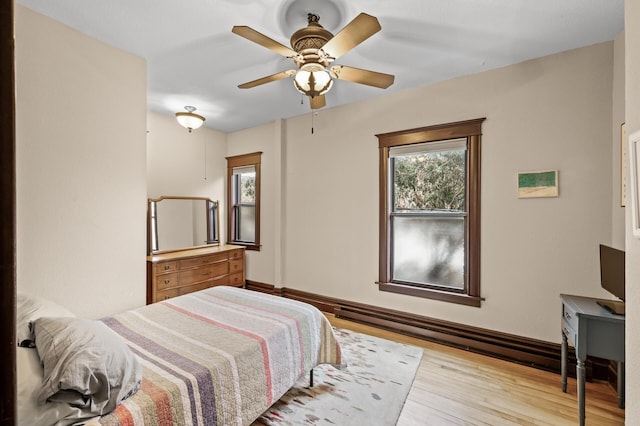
<point>592,330</point>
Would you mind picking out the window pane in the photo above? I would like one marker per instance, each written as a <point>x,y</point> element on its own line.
<point>247,188</point>
<point>428,250</point>
<point>429,181</point>
<point>247,223</point>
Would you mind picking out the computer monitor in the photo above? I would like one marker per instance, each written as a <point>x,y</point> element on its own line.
<point>612,270</point>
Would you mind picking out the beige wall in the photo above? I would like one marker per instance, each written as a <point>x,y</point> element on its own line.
<point>82,185</point>
<point>550,113</point>
<point>186,164</point>
<point>80,125</point>
<point>262,265</point>
<point>632,119</point>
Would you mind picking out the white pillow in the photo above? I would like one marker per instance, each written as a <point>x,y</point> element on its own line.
<point>86,364</point>
<point>29,385</point>
<point>29,308</point>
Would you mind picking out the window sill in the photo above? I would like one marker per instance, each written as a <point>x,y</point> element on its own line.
<point>429,293</point>
<point>247,246</point>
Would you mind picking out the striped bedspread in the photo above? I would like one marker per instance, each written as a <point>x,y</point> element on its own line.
<point>220,356</point>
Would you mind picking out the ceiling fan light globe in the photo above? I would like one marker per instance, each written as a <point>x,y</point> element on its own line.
<point>313,83</point>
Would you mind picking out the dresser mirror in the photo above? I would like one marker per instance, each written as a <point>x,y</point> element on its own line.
<point>181,223</point>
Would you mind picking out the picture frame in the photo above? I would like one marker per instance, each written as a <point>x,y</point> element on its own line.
<point>538,184</point>
<point>634,168</point>
<point>623,166</point>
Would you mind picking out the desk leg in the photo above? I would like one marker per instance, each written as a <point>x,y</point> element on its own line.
<point>621,384</point>
<point>580,373</point>
<point>563,362</point>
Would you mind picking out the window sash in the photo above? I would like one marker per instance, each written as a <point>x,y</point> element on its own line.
<point>244,215</point>
<point>437,258</point>
<point>454,147</point>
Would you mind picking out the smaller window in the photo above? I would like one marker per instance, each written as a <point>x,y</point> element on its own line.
<point>243,200</point>
<point>243,196</point>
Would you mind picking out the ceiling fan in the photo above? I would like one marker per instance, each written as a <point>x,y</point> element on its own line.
<point>314,48</point>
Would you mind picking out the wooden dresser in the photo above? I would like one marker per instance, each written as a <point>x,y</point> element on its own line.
<point>175,273</point>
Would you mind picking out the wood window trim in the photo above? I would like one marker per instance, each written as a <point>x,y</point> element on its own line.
<point>472,131</point>
<point>251,159</point>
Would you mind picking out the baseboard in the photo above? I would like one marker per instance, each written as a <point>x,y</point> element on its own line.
<point>535,353</point>
<point>261,287</point>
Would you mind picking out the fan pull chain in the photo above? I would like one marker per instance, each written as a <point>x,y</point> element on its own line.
<point>312,114</point>
<point>205,160</point>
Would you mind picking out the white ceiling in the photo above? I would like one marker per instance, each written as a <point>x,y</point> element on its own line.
<point>194,59</point>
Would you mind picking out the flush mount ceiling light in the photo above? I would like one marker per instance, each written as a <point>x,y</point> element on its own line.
<point>188,119</point>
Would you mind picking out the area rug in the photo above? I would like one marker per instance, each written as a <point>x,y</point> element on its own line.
<point>371,390</point>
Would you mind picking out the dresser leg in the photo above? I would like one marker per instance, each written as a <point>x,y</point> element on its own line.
<point>563,362</point>
<point>580,372</point>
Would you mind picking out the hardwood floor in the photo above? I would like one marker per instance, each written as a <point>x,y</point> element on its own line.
<point>456,387</point>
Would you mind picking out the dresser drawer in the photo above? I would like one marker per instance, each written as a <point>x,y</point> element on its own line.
<point>165,281</point>
<point>203,273</point>
<point>236,279</point>
<point>203,260</point>
<point>236,266</point>
<point>166,294</point>
<point>218,269</point>
<point>236,254</point>
<point>165,267</point>
<point>196,287</point>
<point>195,275</point>
<point>569,332</point>
<point>570,316</point>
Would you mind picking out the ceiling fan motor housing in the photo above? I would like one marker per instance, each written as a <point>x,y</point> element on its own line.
<point>308,41</point>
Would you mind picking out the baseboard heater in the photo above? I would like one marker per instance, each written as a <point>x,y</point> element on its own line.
<point>530,352</point>
<point>534,353</point>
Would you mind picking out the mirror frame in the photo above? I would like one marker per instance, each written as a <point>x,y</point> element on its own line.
<point>152,226</point>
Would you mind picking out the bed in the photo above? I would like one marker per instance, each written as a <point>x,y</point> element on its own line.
<point>220,356</point>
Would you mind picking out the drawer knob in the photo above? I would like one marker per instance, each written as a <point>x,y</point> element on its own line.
<point>206,273</point>
<point>166,267</point>
<point>167,281</point>
<point>567,316</point>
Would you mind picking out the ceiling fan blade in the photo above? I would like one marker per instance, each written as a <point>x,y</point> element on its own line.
<point>317,102</point>
<point>357,75</point>
<point>355,32</point>
<point>263,40</point>
<point>267,79</point>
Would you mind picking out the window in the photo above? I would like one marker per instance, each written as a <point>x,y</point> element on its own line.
<point>430,212</point>
<point>243,200</point>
